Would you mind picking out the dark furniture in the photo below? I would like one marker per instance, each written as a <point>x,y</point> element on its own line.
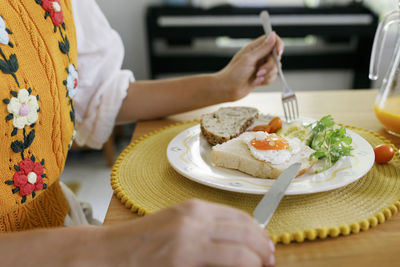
<point>180,25</point>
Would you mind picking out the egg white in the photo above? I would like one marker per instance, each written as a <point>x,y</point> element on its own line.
<point>271,156</point>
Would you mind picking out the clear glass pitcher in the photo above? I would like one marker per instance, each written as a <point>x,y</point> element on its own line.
<point>387,104</point>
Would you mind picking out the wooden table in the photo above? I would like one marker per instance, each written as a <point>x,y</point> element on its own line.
<point>376,247</point>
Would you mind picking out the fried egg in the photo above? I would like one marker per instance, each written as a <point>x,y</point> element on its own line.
<point>271,147</point>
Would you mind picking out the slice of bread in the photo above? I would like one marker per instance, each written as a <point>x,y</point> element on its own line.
<point>227,123</point>
<point>235,154</point>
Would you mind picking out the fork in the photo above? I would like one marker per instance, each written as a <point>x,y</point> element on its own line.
<point>289,99</point>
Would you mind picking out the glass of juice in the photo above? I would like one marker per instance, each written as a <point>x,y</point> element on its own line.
<point>388,113</point>
<point>387,104</point>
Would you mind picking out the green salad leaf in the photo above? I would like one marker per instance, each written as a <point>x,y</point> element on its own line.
<point>329,142</point>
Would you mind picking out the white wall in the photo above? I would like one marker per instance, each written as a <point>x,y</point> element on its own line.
<point>128,18</point>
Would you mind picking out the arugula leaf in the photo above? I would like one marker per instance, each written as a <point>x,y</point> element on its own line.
<point>329,143</point>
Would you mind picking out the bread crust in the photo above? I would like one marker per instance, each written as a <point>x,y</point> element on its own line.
<point>214,138</point>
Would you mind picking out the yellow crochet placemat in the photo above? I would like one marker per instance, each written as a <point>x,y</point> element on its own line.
<point>145,182</point>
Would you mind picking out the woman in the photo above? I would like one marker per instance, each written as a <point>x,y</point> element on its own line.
<point>43,44</point>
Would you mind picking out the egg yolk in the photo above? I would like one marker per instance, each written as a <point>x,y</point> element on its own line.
<point>272,142</point>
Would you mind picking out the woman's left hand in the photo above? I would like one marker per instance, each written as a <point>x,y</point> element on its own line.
<point>252,66</point>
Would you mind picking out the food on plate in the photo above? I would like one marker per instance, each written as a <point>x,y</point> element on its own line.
<point>262,155</point>
<point>297,129</point>
<point>275,124</point>
<point>272,127</point>
<point>266,150</point>
<point>383,153</point>
<point>261,128</point>
<point>227,123</point>
<point>329,142</point>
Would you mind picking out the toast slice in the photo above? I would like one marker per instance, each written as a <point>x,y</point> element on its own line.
<point>235,154</point>
<point>227,123</point>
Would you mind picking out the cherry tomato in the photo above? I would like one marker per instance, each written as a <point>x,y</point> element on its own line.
<point>261,128</point>
<point>383,153</point>
<point>273,126</point>
<point>276,124</point>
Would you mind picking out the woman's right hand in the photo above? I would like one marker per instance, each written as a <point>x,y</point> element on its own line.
<point>194,233</point>
<point>254,65</point>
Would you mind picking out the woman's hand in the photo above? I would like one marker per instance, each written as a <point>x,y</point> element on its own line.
<point>252,66</point>
<point>194,233</point>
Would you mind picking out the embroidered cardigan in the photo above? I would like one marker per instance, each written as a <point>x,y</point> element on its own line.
<point>38,80</point>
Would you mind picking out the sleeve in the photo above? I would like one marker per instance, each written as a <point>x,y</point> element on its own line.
<point>102,83</point>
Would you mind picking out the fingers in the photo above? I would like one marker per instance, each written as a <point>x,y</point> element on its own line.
<point>250,236</point>
<point>254,65</point>
<point>256,43</point>
<point>210,211</point>
<point>258,81</point>
<point>264,49</point>
<point>269,66</point>
<point>224,236</point>
<point>280,45</point>
<point>267,79</point>
<point>262,72</point>
<point>228,225</point>
<point>262,40</point>
<point>270,78</point>
<point>225,254</point>
<point>267,73</point>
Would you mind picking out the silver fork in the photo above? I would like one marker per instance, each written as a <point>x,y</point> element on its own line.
<point>289,99</point>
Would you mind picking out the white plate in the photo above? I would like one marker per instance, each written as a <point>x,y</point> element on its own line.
<point>190,155</point>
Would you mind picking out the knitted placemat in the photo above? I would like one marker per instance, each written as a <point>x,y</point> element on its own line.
<point>145,182</point>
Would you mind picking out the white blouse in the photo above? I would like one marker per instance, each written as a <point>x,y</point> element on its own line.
<point>102,83</point>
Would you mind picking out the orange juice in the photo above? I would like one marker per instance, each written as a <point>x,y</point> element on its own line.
<point>389,114</point>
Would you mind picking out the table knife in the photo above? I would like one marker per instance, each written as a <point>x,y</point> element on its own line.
<point>268,204</point>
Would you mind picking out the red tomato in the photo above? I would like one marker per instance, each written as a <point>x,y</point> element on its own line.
<point>273,126</point>
<point>276,124</point>
<point>383,153</point>
<point>261,128</point>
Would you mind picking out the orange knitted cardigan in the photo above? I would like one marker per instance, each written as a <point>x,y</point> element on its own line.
<point>38,79</point>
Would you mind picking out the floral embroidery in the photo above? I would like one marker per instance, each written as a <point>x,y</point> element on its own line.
<point>4,38</point>
<point>72,81</point>
<point>4,33</point>
<point>7,65</point>
<point>23,108</point>
<point>28,178</point>
<point>54,10</point>
<point>29,174</point>
<point>64,45</point>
